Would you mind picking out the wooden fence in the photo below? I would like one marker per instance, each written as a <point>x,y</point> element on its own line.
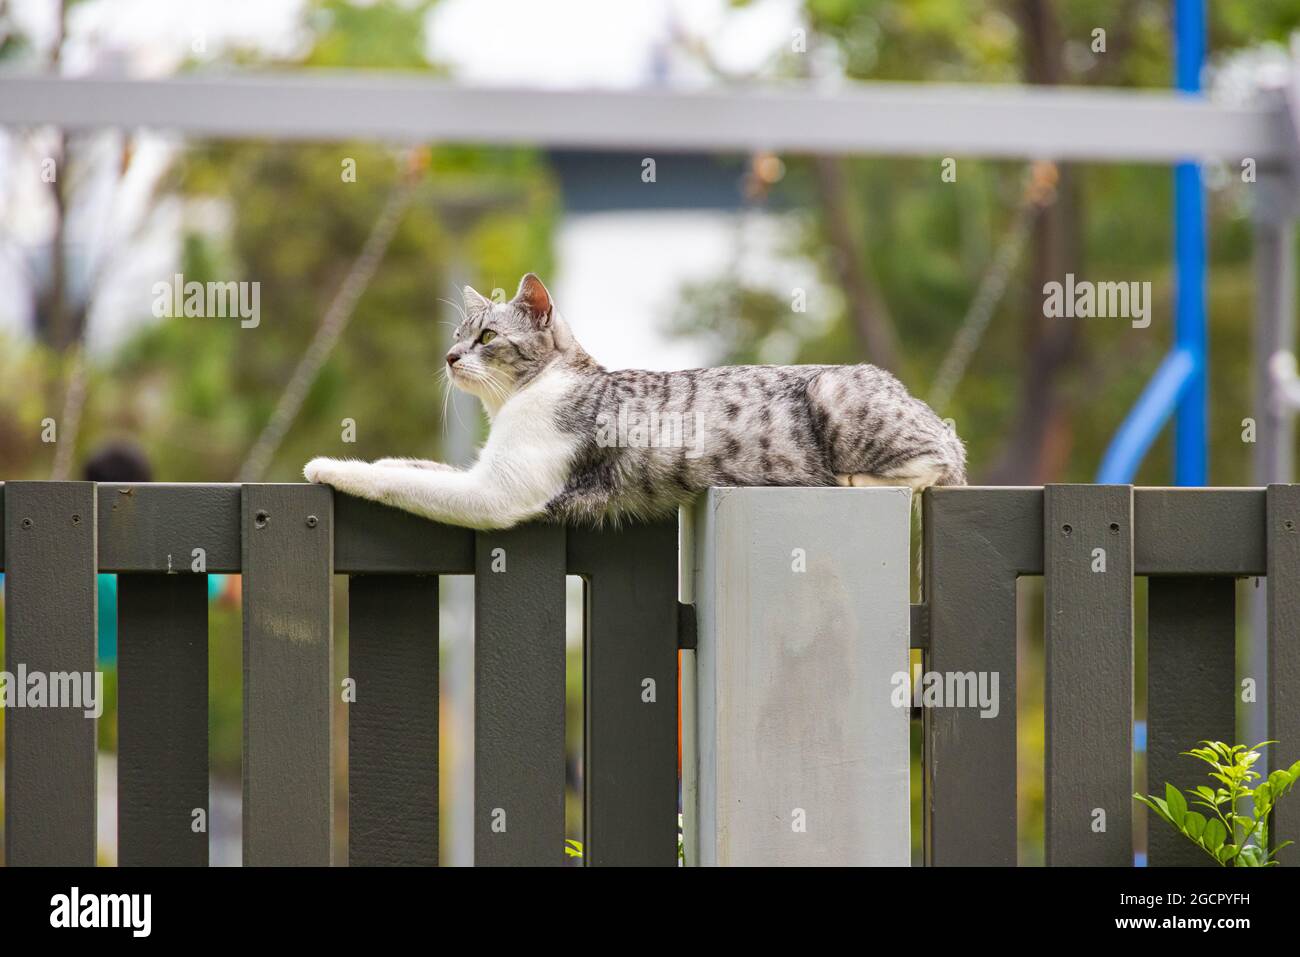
<point>288,542</point>
<point>1192,544</point>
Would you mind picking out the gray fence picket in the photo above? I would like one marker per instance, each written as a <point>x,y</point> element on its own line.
<point>50,626</point>
<point>288,556</point>
<point>1191,685</point>
<point>976,543</point>
<point>393,724</point>
<point>630,742</point>
<point>1284,654</point>
<point>519,674</point>
<point>1088,634</point>
<point>162,720</point>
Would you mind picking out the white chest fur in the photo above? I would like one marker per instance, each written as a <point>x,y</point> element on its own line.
<point>526,453</point>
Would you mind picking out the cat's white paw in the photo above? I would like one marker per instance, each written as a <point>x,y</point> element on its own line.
<point>323,471</point>
<point>315,470</point>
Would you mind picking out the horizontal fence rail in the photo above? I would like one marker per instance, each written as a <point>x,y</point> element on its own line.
<point>288,542</point>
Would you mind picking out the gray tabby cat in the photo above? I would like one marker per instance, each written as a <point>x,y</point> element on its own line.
<point>572,441</point>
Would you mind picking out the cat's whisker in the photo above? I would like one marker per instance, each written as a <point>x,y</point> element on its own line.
<point>455,305</point>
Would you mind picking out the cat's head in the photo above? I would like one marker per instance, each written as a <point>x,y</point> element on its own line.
<point>500,346</point>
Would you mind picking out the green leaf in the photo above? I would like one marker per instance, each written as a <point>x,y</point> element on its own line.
<point>1193,825</point>
<point>1250,856</point>
<point>1207,793</point>
<point>1227,853</point>
<point>1176,803</point>
<point>1214,834</point>
<point>1157,805</point>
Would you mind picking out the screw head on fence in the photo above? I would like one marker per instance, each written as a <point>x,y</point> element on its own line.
<point>260,519</point>
<point>311,521</point>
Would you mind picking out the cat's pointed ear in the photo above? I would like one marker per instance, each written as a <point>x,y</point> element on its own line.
<point>475,304</point>
<point>534,300</point>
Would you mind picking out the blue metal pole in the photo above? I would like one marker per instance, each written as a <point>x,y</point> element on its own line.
<point>1180,386</point>
<point>1191,441</point>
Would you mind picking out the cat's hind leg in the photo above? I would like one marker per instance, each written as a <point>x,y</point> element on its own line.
<point>918,474</point>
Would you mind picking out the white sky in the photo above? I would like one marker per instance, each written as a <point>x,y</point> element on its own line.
<point>634,262</point>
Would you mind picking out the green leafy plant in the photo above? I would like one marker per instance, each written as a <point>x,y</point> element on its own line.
<point>1229,835</point>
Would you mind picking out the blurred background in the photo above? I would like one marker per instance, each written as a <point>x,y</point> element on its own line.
<point>360,250</point>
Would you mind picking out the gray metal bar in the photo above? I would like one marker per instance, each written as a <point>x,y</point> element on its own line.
<point>519,671</point>
<point>50,629</point>
<point>1088,603</point>
<point>880,118</point>
<point>630,743</point>
<point>393,724</point>
<point>162,720</point>
<point>1191,685</point>
<point>1284,654</point>
<point>288,613</point>
<point>1275,211</point>
<point>974,547</point>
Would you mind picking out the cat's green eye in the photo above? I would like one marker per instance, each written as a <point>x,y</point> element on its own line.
<point>487,336</point>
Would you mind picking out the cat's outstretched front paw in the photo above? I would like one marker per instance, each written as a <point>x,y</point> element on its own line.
<point>318,470</point>
<point>346,475</point>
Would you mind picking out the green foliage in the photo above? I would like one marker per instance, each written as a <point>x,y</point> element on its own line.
<point>1228,834</point>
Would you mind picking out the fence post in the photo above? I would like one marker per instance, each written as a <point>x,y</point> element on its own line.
<point>803,607</point>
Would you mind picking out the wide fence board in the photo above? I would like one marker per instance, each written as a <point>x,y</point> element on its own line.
<point>380,539</point>
<point>156,527</point>
<point>288,551</point>
<point>1206,532</point>
<point>393,724</point>
<point>1284,656</point>
<point>630,657</point>
<point>1088,635</point>
<point>1191,693</point>
<point>976,543</point>
<point>50,629</point>
<point>162,719</point>
<point>519,674</point>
